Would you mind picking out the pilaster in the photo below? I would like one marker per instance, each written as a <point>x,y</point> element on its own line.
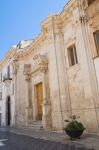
<point>89,63</point>
<point>27,75</point>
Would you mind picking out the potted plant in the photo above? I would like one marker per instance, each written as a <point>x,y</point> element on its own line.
<point>74,128</point>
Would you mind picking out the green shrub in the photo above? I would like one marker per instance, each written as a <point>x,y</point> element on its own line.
<point>73,124</point>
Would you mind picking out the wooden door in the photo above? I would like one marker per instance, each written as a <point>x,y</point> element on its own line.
<point>0,119</point>
<point>8,111</point>
<point>39,90</point>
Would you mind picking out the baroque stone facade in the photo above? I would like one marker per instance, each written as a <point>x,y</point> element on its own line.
<point>57,74</point>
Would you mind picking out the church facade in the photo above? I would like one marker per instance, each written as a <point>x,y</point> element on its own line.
<point>56,75</point>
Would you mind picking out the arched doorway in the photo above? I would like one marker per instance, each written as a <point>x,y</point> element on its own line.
<point>8,109</point>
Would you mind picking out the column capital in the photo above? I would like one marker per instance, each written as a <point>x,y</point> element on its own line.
<point>83,18</point>
<point>27,77</point>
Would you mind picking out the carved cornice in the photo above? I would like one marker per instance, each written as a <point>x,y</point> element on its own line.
<point>59,19</point>
<point>32,48</point>
<point>40,68</point>
<point>40,59</point>
<point>67,12</point>
<point>93,10</point>
<point>53,20</point>
<point>8,57</point>
<point>45,26</point>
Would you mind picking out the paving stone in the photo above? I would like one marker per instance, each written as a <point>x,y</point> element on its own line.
<point>21,142</point>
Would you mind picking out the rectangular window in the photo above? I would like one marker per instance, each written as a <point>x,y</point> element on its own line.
<point>72,55</point>
<point>96,37</point>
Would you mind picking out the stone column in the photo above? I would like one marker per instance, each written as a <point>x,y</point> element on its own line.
<point>46,102</point>
<point>63,100</point>
<point>15,70</point>
<point>29,116</point>
<point>58,89</point>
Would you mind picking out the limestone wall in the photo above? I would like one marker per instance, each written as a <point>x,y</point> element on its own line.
<point>80,76</point>
<point>92,13</point>
<point>7,90</point>
<point>66,89</point>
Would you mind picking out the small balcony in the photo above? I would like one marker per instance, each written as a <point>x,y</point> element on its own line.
<point>6,78</point>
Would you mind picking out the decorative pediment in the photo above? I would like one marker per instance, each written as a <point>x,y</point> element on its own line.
<point>40,63</point>
<point>40,59</point>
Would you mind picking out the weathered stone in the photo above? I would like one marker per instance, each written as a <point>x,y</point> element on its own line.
<point>68,86</point>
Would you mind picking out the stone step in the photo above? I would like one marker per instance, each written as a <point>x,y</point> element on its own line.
<point>37,125</point>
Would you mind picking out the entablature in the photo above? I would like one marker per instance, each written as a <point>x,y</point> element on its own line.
<point>40,65</point>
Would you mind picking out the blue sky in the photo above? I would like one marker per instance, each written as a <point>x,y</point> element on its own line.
<point>20,19</point>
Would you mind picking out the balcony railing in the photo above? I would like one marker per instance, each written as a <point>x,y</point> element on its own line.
<point>90,2</point>
<point>6,78</point>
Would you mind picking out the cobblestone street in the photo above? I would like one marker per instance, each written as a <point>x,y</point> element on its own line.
<point>12,141</point>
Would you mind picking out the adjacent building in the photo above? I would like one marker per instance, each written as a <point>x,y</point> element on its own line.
<point>46,79</point>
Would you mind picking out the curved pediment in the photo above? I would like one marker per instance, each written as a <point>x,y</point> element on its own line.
<point>40,63</point>
<point>40,59</point>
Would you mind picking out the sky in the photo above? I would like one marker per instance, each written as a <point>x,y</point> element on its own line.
<point>21,19</point>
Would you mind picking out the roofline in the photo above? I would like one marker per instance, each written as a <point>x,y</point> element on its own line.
<point>9,53</point>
